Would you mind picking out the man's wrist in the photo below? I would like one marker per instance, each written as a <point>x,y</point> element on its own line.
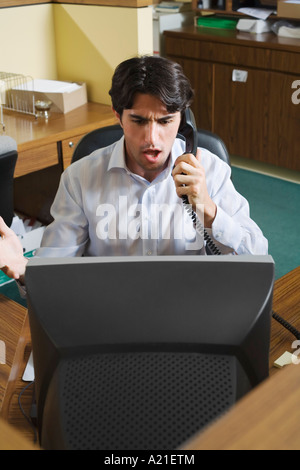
<point>210,215</point>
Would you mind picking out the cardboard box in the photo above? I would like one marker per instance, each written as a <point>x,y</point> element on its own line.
<point>65,96</point>
<point>288,9</point>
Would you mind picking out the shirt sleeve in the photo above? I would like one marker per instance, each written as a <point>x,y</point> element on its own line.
<point>233,226</point>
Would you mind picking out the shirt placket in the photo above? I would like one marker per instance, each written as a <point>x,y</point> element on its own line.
<point>149,224</point>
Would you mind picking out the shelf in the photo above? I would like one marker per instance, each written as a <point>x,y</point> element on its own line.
<point>228,11</point>
<point>111,3</point>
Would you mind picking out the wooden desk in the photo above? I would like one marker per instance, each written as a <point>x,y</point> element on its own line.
<point>268,417</point>
<point>286,302</point>
<point>15,346</point>
<point>12,439</point>
<point>45,149</point>
<point>42,144</point>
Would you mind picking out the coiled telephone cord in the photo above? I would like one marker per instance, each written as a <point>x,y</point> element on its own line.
<point>212,248</point>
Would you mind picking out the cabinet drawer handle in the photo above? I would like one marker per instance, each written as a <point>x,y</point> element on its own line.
<point>239,75</point>
<point>71,144</point>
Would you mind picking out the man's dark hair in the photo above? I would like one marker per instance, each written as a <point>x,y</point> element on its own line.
<point>153,75</point>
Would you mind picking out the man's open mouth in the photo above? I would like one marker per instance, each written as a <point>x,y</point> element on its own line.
<point>151,153</point>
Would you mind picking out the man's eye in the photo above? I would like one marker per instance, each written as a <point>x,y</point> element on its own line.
<point>140,122</point>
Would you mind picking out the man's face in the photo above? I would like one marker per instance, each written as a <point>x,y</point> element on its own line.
<point>149,131</point>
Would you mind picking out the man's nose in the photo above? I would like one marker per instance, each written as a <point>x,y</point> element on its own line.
<point>151,133</point>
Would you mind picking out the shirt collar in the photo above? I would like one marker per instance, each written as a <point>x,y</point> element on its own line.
<point>117,159</point>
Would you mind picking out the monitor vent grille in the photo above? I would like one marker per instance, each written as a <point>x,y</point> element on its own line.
<point>144,400</point>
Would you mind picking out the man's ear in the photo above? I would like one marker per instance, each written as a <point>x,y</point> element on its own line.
<point>118,116</point>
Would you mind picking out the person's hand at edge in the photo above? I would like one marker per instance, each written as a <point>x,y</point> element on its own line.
<point>12,261</point>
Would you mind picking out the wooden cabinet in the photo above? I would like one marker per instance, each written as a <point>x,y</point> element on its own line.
<point>31,160</point>
<point>241,110</point>
<point>68,147</point>
<point>199,73</point>
<point>243,90</point>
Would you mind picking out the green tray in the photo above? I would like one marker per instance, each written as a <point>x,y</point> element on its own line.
<point>221,23</point>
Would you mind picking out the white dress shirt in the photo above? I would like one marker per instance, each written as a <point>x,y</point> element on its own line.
<point>103,209</point>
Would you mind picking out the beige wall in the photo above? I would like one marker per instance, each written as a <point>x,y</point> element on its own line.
<point>92,40</point>
<point>73,42</point>
<point>27,41</point>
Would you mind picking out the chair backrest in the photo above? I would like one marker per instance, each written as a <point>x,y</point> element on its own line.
<point>8,159</point>
<point>104,136</point>
<point>96,139</point>
<point>214,144</point>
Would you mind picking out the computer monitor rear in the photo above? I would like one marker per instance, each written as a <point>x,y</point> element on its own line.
<point>139,353</point>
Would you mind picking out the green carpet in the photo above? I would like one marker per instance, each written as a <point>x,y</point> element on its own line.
<point>275,207</point>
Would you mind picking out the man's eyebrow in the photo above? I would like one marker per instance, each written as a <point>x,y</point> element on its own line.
<point>137,116</point>
<point>142,118</point>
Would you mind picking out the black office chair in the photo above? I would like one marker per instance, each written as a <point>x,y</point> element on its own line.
<point>214,144</point>
<point>96,139</point>
<point>8,159</point>
<point>104,136</point>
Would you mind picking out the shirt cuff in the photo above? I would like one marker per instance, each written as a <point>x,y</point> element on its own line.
<point>226,231</point>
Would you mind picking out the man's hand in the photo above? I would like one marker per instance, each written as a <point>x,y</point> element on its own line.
<point>189,178</point>
<point>12,261</point>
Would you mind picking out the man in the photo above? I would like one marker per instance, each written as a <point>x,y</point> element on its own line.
<point>126,199</point>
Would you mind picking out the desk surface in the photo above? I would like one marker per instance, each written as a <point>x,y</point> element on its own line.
<point>267,418</point>
<point>286,302</point>
<point>11,439</point>
<point>30,132</point>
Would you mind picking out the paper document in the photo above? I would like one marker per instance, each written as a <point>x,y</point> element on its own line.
<point>261,13</point>
<point>28,375</point>
<point>50,86</point>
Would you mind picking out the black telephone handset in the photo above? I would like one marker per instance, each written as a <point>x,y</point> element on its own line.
<point>188,130</point>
